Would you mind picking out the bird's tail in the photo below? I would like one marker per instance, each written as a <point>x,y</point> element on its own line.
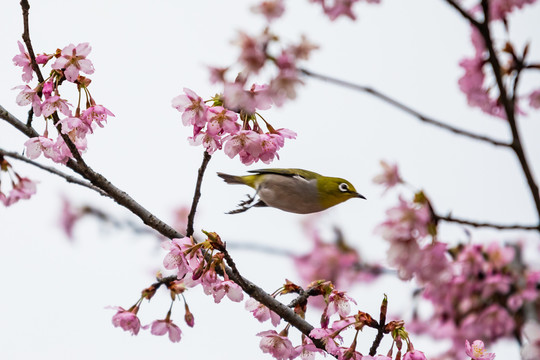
<point>231,179</point>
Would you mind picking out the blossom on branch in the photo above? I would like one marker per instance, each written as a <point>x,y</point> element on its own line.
<point>73,59</point>
<point>23,60</point>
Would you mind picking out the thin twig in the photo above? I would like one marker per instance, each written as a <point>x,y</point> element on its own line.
<point>450,218</point>
<point>403,107</point>
<point>54,171</point>
<point>463,12</point>
<point>16,123</point>
<point>26,38</point>
<point>197,194</point>
<point>380,328</point>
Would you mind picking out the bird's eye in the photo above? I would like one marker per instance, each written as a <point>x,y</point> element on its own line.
<point>343,187</point>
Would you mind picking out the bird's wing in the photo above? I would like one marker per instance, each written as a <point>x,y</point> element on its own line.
<point>305,174</point>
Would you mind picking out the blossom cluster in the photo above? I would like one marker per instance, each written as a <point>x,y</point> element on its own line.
<point>237,131</point>
<point>333,261</point>
<point>337,8</point>
<point>329,334</point>
<point>193,264</point>
<point>46,101</point>
<point>474,82</point>
<point>21,187</point>
<point>476,291</point>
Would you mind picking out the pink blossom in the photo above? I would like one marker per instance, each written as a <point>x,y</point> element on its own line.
<point>192,108</point>
<point>279,346</point>
<point>127,319</point>
<point>3,198</point>
<point>29,96</point>
<point>217,74</point>
<point>247,141</point>
<point>327,336</point>
<point>414,355</point>
<point>252,54</point>
<point>335,262</point>
<point>261,312</point>
<point>177,258</point>
<point>499,9</point>
<point>53,104</point>
<point>270,9</point>
<point>283,86</point>
<point>340,8</point>
<point>74,127</point>
<point>22,189</point>
<point>491,323</point>
<point>227,287</point>
<point>237,98</point>
<point>531,349</point>
<point>405,221</point>
<point>500,256</point>
<point>42,59</point>
<point>96,113</point>
<point>307,349</point>
<point>23,60</point>
<point>221,120</point>
<point>302,51</point>
<point>36,145</point>
<point>161,327</point>
<point>270,144</point>
<point>534,99</point>
<point>339,302</point>
<point>377,357</point>
<point>48,88</point>
<point>477,351</point>
<point>69,216</point>
<point>472,81</point>
<point>73,59</point>
<point>389,177</point>
<point>210,142</point>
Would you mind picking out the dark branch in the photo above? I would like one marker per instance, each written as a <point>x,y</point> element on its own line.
<point>54,171</point>
<point>504,99</point>
<point>404,108</point>
<point>450,218</point>
<point>26,38</point>
<point>464,13</point>
<point>197,194</point>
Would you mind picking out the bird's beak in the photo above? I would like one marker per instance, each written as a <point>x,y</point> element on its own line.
<point>361,196</point>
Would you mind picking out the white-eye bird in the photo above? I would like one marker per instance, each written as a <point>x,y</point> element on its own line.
<point>293,190</point>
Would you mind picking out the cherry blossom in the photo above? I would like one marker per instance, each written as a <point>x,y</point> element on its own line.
<point>192,107</point>
<point>270,9</point>
<point>477,351</point>
<point>531,349</point>
<point>261,312</point>
<point>73,60</point>
<point>279,346</point>
<point>23,60</point>
<point>162,327</point>
<point>127,319</point>
<point>389,177</point>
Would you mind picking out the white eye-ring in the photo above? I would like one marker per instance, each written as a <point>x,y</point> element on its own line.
<point>343,187</point>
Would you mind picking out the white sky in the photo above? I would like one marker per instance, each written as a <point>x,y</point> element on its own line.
<point>54,292</point>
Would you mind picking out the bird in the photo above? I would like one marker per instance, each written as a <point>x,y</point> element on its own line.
<point>293,190</point>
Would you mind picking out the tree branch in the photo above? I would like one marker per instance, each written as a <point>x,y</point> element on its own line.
<point>504,99</point>
<point>463,13</point>
<point>197,194</point>
<point>449,218</point>
<point>403,107</point>
<point>68,178</point>
<point>26,38</point>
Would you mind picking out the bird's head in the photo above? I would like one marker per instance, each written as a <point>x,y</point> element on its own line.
<point>333,191</point>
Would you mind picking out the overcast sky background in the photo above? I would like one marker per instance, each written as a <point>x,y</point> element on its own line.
<point>54,292</point>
